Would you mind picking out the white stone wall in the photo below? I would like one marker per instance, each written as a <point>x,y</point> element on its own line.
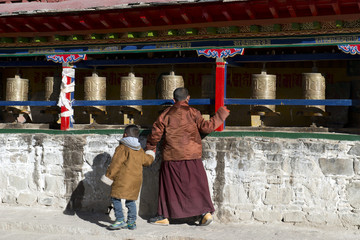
<point>307,181</point>
<point>312,181</point>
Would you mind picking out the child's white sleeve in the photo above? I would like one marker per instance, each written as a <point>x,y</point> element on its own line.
<point>106,180</point>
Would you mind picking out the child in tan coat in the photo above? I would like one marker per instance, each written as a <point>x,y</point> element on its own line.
<point>124,174</point>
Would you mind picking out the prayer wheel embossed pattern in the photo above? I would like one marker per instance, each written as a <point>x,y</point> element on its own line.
<point>131,89</point>
<point>168,84</point>
<point>95,89</point>
<point>263,87</point>
<point>17,89</point>
<point>52,88</point>
<point>314,88</point>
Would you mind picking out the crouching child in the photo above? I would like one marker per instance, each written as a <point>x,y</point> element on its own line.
<point>124,175</point>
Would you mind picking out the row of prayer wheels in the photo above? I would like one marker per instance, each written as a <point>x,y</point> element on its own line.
<point>263,87</point>
<point>94,88</point>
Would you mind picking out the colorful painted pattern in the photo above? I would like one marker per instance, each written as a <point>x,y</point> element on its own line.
<point>352,49</point>
<point>220,53</point>
<point>66,58</point>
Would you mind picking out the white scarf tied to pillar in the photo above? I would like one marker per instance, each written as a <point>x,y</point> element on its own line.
<point>65,88</point>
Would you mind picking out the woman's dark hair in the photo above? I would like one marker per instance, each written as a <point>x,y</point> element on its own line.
<point>180,94</point>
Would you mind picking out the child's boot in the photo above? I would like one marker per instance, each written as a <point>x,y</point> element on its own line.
<point>131,225</point>
<point>118,225</point>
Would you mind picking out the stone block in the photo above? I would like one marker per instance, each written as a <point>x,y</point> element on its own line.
<point>55,171</point>
<point>53,184</point>
<point>224,144</point>
<point>332,219</point>
<point>336,166</point>
<point>208,154</point>
<point>76,158</point>
<point>357,166</point>
<point>18,182</point>
<point>353,193</point>
<point>208,145</point>
<point>243,216</point>
<point>278,196</point>
<point>101,144</point>
<point>273,168</point>
<point>317,218</point>
<point>294,217</point>
<point>235,194</point>
<point>317,148</point>
<point>18,142</point>
<point>268,146</point>
<point>256,194</point>
<point>275,157</point>
<point>350,219</point>
<point>267,216</point>
<point>355,150</point>
<point>301,166</point>
<point>47,201</point>
<point>253,165</point>
<point>3,180</point>
<point>18,158</point>
<point>26,199</point>
<point>291,145</point>
<point>52,158</point>
<point>9,198</point>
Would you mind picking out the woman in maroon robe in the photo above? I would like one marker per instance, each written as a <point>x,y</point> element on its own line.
<point>183,185</point>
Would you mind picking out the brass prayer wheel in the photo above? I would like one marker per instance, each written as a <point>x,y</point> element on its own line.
<point>17,89</point>
<point>263,87</point>
<point>168,84</point>
<point>208,86</point>
<point>95,90</point>
<point>314,88</point>
<point>52,88</point>
<point>132,89</point>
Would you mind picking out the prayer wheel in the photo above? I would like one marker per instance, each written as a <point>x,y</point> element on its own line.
<point>95,90</point>
<point>263,87</point>
<point>168,84</point>
<point>131,89</point>
<point>52,88</point>
<point>314,88</point>
<point>208,86</point>
<point>17,89</point>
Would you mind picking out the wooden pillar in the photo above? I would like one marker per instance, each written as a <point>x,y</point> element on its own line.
<point>66,96</point>
<point>67,86</point>
<point>220,86</point>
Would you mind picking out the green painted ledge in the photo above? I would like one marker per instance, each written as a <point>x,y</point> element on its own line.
<point>291,135</point>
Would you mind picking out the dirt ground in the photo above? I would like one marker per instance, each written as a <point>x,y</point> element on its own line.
<point>41,223</point>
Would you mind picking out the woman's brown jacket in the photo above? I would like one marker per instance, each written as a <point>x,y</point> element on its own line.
<point>181,126</point>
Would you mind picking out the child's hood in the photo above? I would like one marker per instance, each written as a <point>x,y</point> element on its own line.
<point>131,142</point>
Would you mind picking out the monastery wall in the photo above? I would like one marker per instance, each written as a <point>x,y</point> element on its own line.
<point>313,181</point>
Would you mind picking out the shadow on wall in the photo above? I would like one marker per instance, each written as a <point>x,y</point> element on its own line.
<point>150,188</point>
<point>91,194</point>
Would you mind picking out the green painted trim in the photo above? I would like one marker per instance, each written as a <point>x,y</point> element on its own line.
<point>238,134</point>
<point>291,135</point>
<point>59,132</point>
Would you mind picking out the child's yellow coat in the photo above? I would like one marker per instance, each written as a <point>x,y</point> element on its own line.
<point>126,170</point>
